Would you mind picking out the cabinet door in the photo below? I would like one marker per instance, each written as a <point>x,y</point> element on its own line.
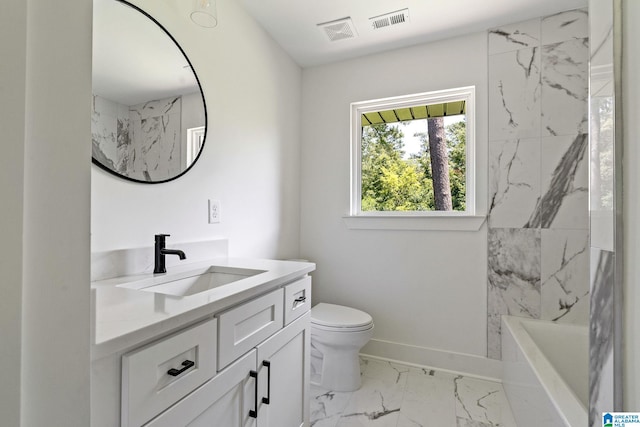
<point>283,376</point>
<point>225,400</point>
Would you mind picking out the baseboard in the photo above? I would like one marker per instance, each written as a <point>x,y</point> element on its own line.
<point>465,364</point>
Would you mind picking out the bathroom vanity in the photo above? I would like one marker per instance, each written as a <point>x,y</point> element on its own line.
<point>219,342</point>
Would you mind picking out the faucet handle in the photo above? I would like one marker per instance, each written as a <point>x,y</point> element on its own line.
<point>160,238</point>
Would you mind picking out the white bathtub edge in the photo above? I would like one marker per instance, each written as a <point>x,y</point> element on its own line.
<point>567,404</point>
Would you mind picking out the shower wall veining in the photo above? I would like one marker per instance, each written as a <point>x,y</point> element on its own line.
<point>125,138</point>
<point>120,134</point>
<point>538,235</point>
<point>605,383</point>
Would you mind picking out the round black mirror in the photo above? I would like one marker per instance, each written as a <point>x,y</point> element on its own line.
<point>149,116</point>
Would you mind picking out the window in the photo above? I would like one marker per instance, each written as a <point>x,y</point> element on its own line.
<point>413,156</point>
<point>195,138</point>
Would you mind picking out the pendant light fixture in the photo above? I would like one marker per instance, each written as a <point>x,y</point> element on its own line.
<point>204,13</point>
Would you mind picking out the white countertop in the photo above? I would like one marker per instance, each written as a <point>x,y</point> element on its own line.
<point>125,316</point>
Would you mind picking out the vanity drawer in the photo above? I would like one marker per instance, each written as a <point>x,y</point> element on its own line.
<point>245,326</point>
<point>156,376</point>
<point>297,299</point>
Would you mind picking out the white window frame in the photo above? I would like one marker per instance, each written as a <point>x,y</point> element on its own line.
<point>195,139</point>
<point>416,219</point>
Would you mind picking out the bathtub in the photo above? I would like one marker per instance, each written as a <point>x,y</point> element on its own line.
<point>546,372</point>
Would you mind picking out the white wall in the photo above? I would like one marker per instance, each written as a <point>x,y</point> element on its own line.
<point>44,314</point>
<point>423,288</point>
<point>13,44</point>
<point>631,202</point>
<point>192,116</point>
<point>250,159</point>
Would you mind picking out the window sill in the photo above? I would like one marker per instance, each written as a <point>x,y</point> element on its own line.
<point>435,223</point>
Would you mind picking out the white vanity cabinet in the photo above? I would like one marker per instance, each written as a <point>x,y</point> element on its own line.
<point>250,392</point>
<point>246,366</point>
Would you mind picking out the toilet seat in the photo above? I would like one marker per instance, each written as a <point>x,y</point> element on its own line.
<point>341,330</point>
<point>338,318</point>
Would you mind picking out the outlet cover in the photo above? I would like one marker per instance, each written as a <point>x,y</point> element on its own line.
<point>214,211</point>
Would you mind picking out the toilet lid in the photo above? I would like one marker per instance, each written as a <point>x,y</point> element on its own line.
<point>338,316</point>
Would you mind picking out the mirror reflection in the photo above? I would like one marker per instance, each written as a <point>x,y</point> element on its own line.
<point>148,113</point>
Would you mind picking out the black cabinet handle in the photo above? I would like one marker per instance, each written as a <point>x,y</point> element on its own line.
<point>267,364</point>
<point>186,365</point>
<point>299,300</point>
<point>253,413</point>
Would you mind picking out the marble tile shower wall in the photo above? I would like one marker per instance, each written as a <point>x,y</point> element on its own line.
<point>125,138</point>
<point>538,258</point>
<point>604,340</point>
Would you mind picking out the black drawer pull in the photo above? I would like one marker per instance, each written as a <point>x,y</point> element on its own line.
<point>267,364</point>
<point>186,365</point>
<point>299,300</point>
<point>253,413</point>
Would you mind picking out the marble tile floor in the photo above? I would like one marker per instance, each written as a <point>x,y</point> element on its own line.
<point>396,395</point>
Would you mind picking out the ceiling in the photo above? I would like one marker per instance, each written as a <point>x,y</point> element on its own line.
<point>294,24</point>
<point>129,72</point>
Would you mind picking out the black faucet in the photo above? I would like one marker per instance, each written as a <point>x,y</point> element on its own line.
<point>161,251</point>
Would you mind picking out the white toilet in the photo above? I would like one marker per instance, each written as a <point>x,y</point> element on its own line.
<point>337,335</point>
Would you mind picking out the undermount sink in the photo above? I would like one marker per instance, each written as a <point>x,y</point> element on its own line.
<point>212,277</point>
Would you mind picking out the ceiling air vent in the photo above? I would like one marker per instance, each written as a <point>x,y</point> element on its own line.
<point>389,19</point>
<point>339,29</point>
